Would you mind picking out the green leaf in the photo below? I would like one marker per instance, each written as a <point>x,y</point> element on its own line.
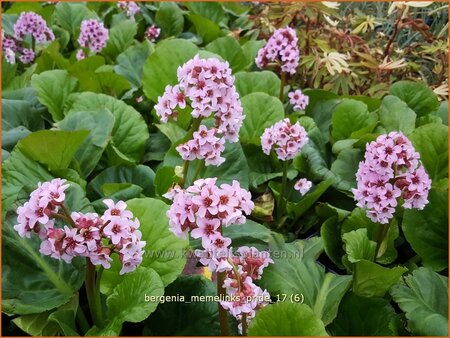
<point>358,246</point>
<point>51,59</point>
<point>230,50</point>
<point>252,82</point>
<point>53,148</point>
<point>358,220</point>
<point>210,10</point>
<point>100,124</point>
<point>206,28</point>
<point>250,49</point>
<point>417,96</point>
<point>300,320</point>
<point>169,18</point>
<point>52,88</point>
<point>69,16</point>
<point>130,300</point>
<point>164,179</point>
<point>345,167</point>
<point>129,133</point>
<point>161,67</point>
<point>103,82</point>
<point>172,131</point>
<point>396,115</point>
<point>427,231</point>
<point>33,283</point>
<point>261,111</point>
<point>164,252</point>
<point>121,36</point>
<point>295,273</point>
<point>131,61</point>
<point>431,141</point>
<point>442,112</point>
<point>330,232</point>
<point>373,280</point>
<point>424,298</point>
<point>361,316</point>
<point>351,116</point>
<point>19,118</point>
<point>55,322</point>
<point>189,317</point>
<point>140,175</point>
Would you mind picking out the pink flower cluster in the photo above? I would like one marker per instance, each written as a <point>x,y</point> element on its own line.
<point>90,236</point>
<point>282,48</point>
<point>130,7</point>
<point>27,56</point>
<point>93,35</point>
<point>298,100</point>
<point>303,186</point>
<point>30,23</point>
<point>203,209</point>
<point>391,170</point>
<point>204,145</point>
<point>152,33</point>
<point>245,297</point>
<point>285,138</point>
<point>9,48</point>
<point>208,87</point>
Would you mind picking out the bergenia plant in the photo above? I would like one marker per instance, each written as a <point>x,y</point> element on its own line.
<point>93,38</point>
<point>203,210</point>
<point>66,235</point>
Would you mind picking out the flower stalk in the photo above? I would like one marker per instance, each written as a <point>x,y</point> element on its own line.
<point>92,285</point>
<point>280,206</point>
<point>223,317</point>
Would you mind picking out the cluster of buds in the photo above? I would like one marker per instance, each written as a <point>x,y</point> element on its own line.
<point>244,296</point>
<point>130,8</point>
<point>208,87</point>
<point>152,33</point>
<point>298,100</point>
<point>93,36</point>
<point>285,138</point>
<point>89,235</point>
<point>281,48</point>
<point>391,171</point>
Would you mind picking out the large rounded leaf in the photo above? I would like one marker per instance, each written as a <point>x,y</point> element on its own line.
<point>130,131</point>
<point>424,298</point>
<point>417,96</point>
<point>228,48</point>
<point>161,67</point>
<point>296,273</point>
<point>427,230</point>
<point>431,141</point>
<point>361,316</point>
<point>261,111</point>
<point>286,319</point>
<point>253,82</point>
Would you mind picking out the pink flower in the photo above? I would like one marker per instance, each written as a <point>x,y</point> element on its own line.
<point>80,55</point>
<point>117,229</point>
<point>152,33</point>
<point>204,145</point>
<point>93,35</point>
<point>298,100</point>
<point>391,170</point>
<point>130,7</point>
<point>30,23</point>
<point>285,138</point>
<point>282,47</point>
<point>72,244</point>
<point>206,229</point>
<point>116,210</point>
<point>303,186</point>
<point>27,56</point>
<point>207,86</point>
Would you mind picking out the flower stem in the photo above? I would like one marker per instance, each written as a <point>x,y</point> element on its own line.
<point>382,232</point>
<point>223,317</point>
<point>82,321</point>
<point>280,204</point>
<point>244,324</point>
<point>67,214</point>
<point>282,83</point>
<point>93,294</point>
